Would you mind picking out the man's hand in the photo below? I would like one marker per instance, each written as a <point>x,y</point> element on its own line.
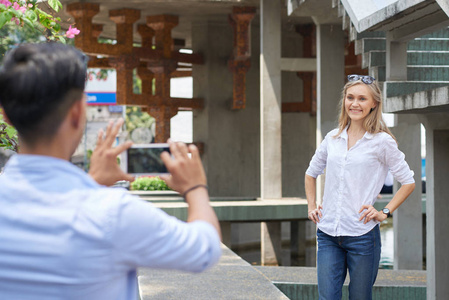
<point>104,168</point>
<point>371,213</point>
<point>185,172</point>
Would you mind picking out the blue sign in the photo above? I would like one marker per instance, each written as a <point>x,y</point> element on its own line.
<point>115,108</point>
<point>101,98</point>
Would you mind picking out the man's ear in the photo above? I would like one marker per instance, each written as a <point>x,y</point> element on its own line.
<point>76,114</point>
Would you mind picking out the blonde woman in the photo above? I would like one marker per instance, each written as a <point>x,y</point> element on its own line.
<point>357,156</point>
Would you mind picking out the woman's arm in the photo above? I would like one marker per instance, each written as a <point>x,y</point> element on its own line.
<point>372,214</point>
<point>314,213</point>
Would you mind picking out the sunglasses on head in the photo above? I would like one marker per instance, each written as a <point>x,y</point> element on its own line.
<point>364,78</point>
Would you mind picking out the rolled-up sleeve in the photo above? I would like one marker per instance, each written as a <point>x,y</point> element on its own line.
<point>145,236</point>
<point>395,160</point>
<point>319,160</point>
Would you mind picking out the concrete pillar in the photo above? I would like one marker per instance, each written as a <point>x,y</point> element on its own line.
<point>396,59</point>
<point>231,137</point>
<point>226,233</point>
<point>330,81</point>
<point>296,126</point>
<point>407,221</point>
<point>270,123</point>
<point>437,190</point>
<point>271,243</point>
<point>270,99</point>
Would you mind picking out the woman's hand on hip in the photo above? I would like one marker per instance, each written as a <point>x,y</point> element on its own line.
<point>370,213</point>
<point>315,214</point>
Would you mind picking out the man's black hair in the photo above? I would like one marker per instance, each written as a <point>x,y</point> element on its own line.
<point>38,85</point>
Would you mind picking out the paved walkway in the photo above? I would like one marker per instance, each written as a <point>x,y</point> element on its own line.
<point>232,278</point>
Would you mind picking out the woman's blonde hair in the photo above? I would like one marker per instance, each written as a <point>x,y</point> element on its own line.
<point>373,122</point>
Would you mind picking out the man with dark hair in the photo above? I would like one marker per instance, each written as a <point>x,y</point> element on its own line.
<point>64,234</point>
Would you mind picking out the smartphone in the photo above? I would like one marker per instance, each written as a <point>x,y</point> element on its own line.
<point>144,159</point>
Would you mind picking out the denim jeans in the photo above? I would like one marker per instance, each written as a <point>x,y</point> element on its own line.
<point>358,254</point>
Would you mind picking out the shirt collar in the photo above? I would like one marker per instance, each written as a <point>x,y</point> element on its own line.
<point>344,134</point>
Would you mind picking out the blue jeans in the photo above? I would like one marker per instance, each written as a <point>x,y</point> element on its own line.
<point>358,254</point>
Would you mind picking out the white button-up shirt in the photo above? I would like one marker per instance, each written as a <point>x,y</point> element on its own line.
<point>354,178</point>
<point>63,236</point>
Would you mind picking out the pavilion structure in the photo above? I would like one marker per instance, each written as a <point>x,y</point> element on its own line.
<point>267,77</point>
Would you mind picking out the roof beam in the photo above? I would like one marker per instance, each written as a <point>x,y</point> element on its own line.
<point>298,64</point>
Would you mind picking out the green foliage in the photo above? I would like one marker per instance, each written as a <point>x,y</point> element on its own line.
<point>8,135</point>
<point>149,184</point>
<point>39,17</point>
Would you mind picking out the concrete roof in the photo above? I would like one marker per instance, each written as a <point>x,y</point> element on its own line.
<point>406,19</point>
<point>321,11</point>
<point>188,11</point>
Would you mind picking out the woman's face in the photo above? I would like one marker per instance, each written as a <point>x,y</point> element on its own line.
<point>359,102</point>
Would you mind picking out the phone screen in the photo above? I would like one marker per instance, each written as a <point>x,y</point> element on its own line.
<point>146,160</point>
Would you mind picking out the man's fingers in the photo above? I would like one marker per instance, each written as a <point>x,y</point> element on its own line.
<point>112,132</point>
<point>128,177</point>
<point>100,137</point>
<point>166,178</point>
<point>122,147</point>
<point>194,151</point>
<point>174,150</point>
<point>183,149</point>
<point>168,161</point>
<point>108,129</point>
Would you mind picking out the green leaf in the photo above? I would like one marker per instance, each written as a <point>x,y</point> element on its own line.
<point>28,23</point>
<point>42,14</point>
<point>56,27</point>
<point>10,131</point>
<point>62,39</point>
<point>5,17</point>
<point>31,15</point>
<point>54,4</point>
<point>16,13</point>
<point>46,23</point>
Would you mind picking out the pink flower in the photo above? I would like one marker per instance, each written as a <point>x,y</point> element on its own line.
<point>18,7</point>
<point>71,32</point>
<point>5,3</point>
<point>15,20</point>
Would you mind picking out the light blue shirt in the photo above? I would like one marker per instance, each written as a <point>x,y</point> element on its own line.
<point>63,236</point>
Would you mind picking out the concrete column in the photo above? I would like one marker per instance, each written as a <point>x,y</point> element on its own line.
<point>270,99</point>
<point>296,126</point>
<point>271,243</point>
<point>407,221</point>
<point>330,81</point>
<point>231,137</point>
<point>226,233</point>
<point>437,190</point>
<point>297,243</point>
<point>270,123</point>
<point>396,59</point>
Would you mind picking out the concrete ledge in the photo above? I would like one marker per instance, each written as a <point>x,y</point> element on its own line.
<point>300,283</point>
<point>427,101</point>
<point>231,278</point>
<point>401,88</point>
<point>284,209</point>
